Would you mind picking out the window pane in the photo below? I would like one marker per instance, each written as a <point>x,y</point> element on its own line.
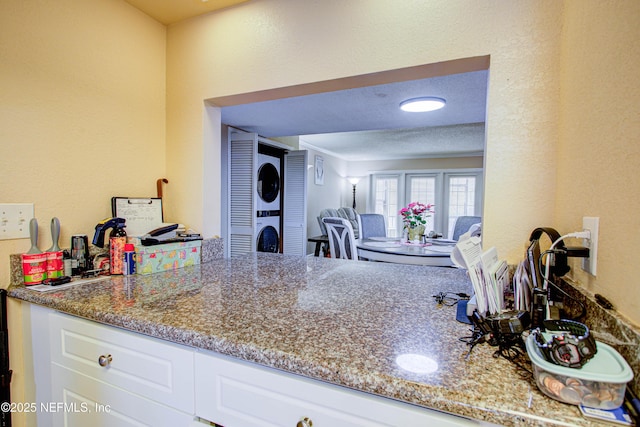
<point>386,203</point>
<point>462,194</point>
<point>423,189</point>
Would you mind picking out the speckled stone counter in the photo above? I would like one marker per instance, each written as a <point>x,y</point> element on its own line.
<point>339,321</point>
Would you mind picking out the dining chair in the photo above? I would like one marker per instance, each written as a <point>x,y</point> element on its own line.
<point>342,243</point>
<point>351,215</point>
<point>323,214</point>
<point>372,225</point>
<point>463,224</point>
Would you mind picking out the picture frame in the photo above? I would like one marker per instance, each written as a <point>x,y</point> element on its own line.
<point>319,171</point>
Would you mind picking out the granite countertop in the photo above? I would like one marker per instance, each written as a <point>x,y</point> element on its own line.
<point>344,322</point>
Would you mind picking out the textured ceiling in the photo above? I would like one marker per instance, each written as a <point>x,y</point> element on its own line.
<point>415,143</point>
<point>366,123</point>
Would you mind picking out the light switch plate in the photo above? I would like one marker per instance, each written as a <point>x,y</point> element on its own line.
<point>14,220</point>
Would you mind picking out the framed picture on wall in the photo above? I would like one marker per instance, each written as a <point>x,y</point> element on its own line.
<point>319,171</point>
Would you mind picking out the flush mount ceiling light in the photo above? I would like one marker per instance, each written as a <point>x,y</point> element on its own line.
<point>423,104</point>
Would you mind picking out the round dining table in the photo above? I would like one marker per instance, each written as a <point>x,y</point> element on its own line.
<point>435,252</point>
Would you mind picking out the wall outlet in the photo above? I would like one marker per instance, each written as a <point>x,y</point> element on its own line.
<point>14,220</point>
<point>589,264</point>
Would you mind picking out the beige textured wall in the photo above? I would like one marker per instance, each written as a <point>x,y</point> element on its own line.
<point>82,118</point>
<point>82,95</point>
<point>599,145</point>
<point>273,43</point>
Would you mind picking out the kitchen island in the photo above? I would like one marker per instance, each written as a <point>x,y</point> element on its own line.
<point>346,323</point>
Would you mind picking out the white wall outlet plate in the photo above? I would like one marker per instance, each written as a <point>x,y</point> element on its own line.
<point>591,223</point>
<point>14,220</point>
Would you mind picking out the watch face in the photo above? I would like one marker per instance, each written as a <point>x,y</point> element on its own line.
<point>572,347</point>
<point>565,353</point>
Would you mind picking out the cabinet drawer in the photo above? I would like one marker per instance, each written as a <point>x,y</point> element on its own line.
<point>82,401</point>
<point>152,368</point>
<point>239,394</point>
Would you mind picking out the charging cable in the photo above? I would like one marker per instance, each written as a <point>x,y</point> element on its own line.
<point>450,298</point>
<point>585,234</point>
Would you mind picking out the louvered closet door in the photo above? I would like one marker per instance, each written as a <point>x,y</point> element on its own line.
<point>242,153</point>
<point>294,234</point>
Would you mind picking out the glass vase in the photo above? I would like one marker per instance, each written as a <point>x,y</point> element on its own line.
<point>414,233</point>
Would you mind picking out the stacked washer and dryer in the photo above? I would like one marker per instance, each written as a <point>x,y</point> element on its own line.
<point>268,208</point>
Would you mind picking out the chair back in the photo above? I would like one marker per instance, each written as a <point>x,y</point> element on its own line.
<point>323,214</point>
<point>463,224</point>
<point>342,242</point>
<point>372,225</point>
<point>351,215</point>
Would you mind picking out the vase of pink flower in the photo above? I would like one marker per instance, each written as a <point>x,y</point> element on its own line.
<point>414,217</point>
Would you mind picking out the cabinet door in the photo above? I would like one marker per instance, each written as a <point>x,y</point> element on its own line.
<point>243,148</point>
<point>239,394</point>
<point>295,203</point>
<point>155,369</point>
<point>81,401</point>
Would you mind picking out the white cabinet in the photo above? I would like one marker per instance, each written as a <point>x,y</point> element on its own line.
<point>101,375</point>
<point>91,374</point>
<point>161,371</point>
<point>88,402</point>
<point>234,393</point>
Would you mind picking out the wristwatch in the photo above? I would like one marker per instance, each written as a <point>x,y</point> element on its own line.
<point>571,344</point>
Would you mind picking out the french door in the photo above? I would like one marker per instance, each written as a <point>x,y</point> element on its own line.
<point>454,193</point>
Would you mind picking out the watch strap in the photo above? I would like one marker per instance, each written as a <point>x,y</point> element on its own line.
<point>571,326</point>
<point>566,333</point>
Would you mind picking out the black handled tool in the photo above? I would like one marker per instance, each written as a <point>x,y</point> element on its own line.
<point>57,281</point>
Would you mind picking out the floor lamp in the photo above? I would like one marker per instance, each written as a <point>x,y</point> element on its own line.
<point>354,182</point>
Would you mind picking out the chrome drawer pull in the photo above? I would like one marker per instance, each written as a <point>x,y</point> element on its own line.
<point>305,422</point>
<point>105,360</point>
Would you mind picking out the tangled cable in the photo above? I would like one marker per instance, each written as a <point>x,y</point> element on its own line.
<point>450,298</point>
